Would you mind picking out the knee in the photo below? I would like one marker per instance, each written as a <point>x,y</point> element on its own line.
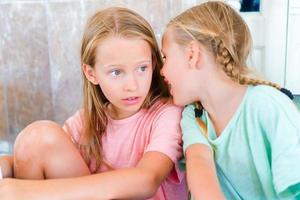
<point>36,138</point>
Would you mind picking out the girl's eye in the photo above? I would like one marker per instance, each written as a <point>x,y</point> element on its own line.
<point>115,72</point>
<point>142,69</point>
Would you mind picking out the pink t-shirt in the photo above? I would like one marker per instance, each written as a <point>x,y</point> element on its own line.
<point>126,141</point>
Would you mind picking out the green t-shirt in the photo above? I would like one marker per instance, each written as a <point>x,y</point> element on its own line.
<point>258,153</point>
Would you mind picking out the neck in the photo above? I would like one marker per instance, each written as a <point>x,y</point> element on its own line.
<point>221,97</point>
<point>117,114</point>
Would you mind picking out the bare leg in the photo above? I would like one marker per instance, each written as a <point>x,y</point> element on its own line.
<point>43,151</point>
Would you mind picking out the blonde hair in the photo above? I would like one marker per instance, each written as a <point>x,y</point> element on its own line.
<point>223,31</point>
<point>124,23</point>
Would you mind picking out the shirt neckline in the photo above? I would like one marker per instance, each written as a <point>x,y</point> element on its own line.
<point>212,136</point>
<point>133,117</point>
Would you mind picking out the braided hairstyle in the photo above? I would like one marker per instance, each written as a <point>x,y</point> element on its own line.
<point>237,74</point>
<point>222,31</point>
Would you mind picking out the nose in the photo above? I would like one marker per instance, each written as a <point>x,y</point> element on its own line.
<point>131,83</point>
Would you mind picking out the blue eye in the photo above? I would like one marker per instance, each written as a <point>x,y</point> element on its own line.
<point>142,68</point>
<point>115,72</point>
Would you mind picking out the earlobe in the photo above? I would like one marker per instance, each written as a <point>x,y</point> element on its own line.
<point>89,73</point>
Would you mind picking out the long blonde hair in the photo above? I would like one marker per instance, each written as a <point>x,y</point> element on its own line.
<point>125,23</point>
<point>222,31</point>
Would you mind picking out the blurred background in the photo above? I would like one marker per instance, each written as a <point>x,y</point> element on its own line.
<point>40,75</point>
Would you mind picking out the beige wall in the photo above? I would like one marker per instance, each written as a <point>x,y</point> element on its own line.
<point>40,74</point>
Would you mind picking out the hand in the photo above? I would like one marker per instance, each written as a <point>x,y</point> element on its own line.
<point>6,166</point>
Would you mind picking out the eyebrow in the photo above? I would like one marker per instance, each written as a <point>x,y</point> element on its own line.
<point>111,65</point>
<point>117,64</point>
<point>144,61</point>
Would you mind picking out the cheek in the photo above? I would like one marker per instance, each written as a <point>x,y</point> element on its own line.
<point>146,81</point>
<point>167,68</point>
<point>106,91</point>
<point>108,87</point>
<point>144,84</point>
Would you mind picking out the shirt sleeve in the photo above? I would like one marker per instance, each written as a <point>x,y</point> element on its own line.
<point>282,125</point>
<point>166,138</point>
<point>191,132</point>
<point>74,126</point>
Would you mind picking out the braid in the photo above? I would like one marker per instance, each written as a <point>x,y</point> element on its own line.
<point>251,81</point>
<point>225,58</point>
<point>224,32</point>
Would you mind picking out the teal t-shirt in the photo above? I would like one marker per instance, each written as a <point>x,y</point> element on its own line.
<point>257,155</point>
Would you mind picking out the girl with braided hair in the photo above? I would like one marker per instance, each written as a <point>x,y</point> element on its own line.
<point>241,133</point>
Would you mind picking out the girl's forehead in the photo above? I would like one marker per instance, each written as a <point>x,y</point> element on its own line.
<point>118,43</point>
<point>116,50</point>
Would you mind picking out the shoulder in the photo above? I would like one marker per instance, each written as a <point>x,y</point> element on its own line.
<point>188,114</point>
<point>263,94</point>
<point>189,110</point>
<point>191,132</point>
<point>163,108</point>
<point>271,106</point>
<point>74,125</point>
<point>264,98</point>
<point>77,117</point>
<point>188,121</point>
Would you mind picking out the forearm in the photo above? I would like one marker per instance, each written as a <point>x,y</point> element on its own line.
<point>201,176</point>
<point>6,164</point>
<point>133,183</point>
<point>140,182</point>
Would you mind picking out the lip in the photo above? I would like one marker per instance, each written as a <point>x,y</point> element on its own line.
<point>131,100</point>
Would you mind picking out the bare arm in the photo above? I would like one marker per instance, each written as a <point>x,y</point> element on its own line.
<point>6,164</point>
<point>201,173</point>
<point>140,182</point>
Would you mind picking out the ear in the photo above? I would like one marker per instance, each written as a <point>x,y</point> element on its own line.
<point>195,52</point>
<point>89,73</point>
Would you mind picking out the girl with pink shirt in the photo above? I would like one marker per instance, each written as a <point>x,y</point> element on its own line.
<point>124,143</point>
